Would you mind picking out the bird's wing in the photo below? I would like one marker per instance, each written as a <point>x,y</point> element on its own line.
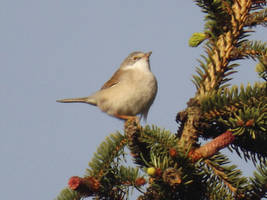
<point>115,79</point>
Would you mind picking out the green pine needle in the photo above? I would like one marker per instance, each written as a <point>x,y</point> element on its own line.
<point>106,154</point>
<point>68,194</point>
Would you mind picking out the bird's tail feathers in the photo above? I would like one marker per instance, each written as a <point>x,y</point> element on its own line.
<point>88,100</point>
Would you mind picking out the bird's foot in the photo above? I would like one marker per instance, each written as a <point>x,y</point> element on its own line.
<point>134,120</point>
<point>128,117</point>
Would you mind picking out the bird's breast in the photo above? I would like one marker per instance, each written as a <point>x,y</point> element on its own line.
<point>143,85</point>
<point>132,95</point>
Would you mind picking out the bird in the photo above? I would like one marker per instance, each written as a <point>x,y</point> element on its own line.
<point>129,92</point>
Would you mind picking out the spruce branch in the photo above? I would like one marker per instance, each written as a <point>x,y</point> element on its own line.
<point>219,173</point>
<point>68,194</point>
<point>243,111</point>
<point>167,164</point>
<point>250,49</point>
<point>224,181</point>
<point>102,178</point>
<point>257,18</point>
<point>154,135</point>
<point>257,189</point>
<point>103,167</point>
<point>175,184</point>
<point>258,4</point>
<point>148,142</point>
<point>261,68</point>
<point>189,136</point>
<point>212,147</point>
<point>226,102</point>
<point>251,149</point>
<point>106,154</point>
<point>220,46</point>
<point>139,150</point>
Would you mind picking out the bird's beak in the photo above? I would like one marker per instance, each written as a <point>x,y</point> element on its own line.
<point>147,55</point>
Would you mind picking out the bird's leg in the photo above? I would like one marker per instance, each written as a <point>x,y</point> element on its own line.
<point>130,119</point>
<point>127,117</point>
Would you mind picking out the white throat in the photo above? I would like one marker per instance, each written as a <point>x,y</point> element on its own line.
<point>141,64</point>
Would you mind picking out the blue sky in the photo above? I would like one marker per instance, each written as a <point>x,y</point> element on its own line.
<point>63,48</point>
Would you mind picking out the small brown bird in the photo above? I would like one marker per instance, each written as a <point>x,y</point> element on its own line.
<point>129,92</point>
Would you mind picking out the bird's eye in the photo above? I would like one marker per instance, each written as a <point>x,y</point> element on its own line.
<point>135,58</point>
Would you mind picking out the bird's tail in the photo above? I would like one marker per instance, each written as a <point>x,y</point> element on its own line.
<point>88,100</point>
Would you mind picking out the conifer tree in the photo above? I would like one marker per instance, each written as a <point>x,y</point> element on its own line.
<point>177,165</point>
